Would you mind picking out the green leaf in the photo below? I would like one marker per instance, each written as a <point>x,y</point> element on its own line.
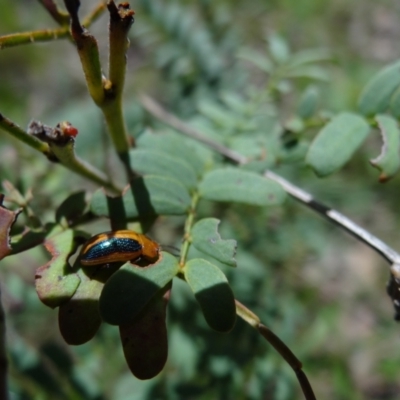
<point>218,114</point>
<point>145,341</point>
<point>309,56</point>
<point>278,48</point>
<point>154,195</point>
<point>336,142</point>
<point>79,318</point>
<point>205,237</point>
<point>375,97</point>
<point>388,162</point>
<point>233,184</point>
<point>128,291</point>
<point>150,162</point>
<point>308,102</point>
<point>308,71</point>
<point>261,61</point>
<point>395,104</point>
<point>213,293</point>
<point>175,146</point>
<point>56,281</point>
<point>255,148</point>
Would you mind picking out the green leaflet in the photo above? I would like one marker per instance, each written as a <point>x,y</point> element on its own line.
<point>308,102</point>
<point>150,162</point>
<point>213,293</point>
<point>233,184</point>
<point>131,288</point>
<point>153,195</point>
<point>206,238</point>
<point>173,145</point>
<point>375,97</point>
<point>336,142</point>
<point>56,281</point>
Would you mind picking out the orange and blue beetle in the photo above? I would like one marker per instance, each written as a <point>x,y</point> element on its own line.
<point>118,246</point>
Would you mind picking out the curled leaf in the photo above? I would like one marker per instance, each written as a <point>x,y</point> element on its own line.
<point>7,218</point>
<point>388,162</point>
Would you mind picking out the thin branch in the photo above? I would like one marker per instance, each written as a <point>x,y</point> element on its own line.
<point>14,130</point>
<point>62,145</point>
<point>284,351</point>
<point>337,218</point>
<point>61,17</point>
<point>94,14</point>
<point>157,111</point>
<point>45,35</point>
<point>188,229</point>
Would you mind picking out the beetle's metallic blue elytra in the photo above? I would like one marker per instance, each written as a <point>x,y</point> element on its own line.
<point>114,246</point>
<point>107,248</point>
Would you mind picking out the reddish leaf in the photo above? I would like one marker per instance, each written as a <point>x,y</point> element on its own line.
<point>145,341</point>
<point>56,281</point>
<point>7,218</point>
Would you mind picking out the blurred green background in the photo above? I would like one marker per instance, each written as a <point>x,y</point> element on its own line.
<point>319,289</point>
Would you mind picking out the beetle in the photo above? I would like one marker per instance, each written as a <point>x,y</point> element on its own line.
<point>117,246</point>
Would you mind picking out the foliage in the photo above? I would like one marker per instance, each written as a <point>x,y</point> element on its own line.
<point>197,178</point>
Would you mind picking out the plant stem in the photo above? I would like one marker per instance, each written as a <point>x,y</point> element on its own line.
<point>188,229</point>
<point>114,118</point>
<point>94,13</point>
<point>157,111</point>
<point>287,354</point>
<point>247,315</point>
<point>14,130</point>
<point>121,19</point>
<point>45,35</point>
<point>59,16</point>
<point>106,93</point>
<point>66,155</point>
